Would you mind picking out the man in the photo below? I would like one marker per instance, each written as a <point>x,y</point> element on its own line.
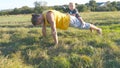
<point>56,19</point>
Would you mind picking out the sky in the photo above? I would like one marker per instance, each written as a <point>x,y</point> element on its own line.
<point>11,4</point>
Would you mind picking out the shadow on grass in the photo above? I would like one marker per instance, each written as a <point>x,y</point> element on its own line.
<point>98,44</point>
<point>24,46</point>
<point>12,47</point>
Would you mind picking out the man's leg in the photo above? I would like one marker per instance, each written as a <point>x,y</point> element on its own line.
<point>91,30</point>
<point>93,27</point>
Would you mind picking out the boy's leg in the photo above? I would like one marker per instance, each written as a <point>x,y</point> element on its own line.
<point>76,23</point>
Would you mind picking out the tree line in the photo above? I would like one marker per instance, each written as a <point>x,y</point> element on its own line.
<point>42,5</point>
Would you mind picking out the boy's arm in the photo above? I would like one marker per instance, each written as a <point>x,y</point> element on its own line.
<point>73,14</point>
<point>79,17</point>
<point>51,20</point>
<point>81,20</point>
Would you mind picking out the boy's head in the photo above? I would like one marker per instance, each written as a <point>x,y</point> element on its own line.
<point>71,6</point>
<point>36,19</point>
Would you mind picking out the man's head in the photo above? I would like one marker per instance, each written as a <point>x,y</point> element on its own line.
<point>36,19</point>
<point>71,6</point>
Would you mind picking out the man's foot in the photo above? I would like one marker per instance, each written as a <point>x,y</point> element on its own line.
<point>99,31</point>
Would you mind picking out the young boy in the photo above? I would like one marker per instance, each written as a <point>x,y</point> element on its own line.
<point>74,12</point>
<point>56,19</point>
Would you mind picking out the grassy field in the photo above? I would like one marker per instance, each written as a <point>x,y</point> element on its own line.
<point>22,46</point>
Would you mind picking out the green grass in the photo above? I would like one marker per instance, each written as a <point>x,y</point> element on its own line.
<point>15,21</point>
<point>22,46</point>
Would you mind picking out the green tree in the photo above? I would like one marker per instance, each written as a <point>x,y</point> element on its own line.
<point>92,4</point>
<point>5,12</point>
<point>40,6</point>
<point>118,5</point>
<point>26,10</point>
<point>111,6</point>
<point>15,11</point>
<point>114,4</point>
<point>82,8</point>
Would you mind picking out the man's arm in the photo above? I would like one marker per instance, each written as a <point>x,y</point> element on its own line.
<point>44,30</point>
<point>51,20</point>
